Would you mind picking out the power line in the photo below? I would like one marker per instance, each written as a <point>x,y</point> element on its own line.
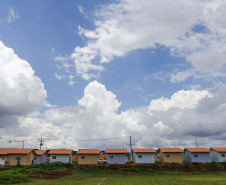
<point>89,139</point>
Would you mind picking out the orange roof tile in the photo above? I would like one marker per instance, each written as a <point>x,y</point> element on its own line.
<point>219,149</point>
<point>171,150</point>
<point>7,151</point>
<point>116,151</point>
<point>88,151</point>
<point>143,150</point>
<point>61,151</point>
<point>203,150</point>
<point>39,152</point>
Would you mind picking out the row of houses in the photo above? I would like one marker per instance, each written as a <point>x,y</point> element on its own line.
<point>14,156</point>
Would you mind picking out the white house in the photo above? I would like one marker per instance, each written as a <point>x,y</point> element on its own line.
<point>116,156</point>
<point>197,155</point>
<point>60,155</point>
<point>218,154</point>
<point>40,156</point>
<point>143,155</point>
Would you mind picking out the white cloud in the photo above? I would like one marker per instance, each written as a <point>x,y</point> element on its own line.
<point>180,76</point>
<point>21,91</point>
<point>197,114</point>
<point>12,15</point>
<point>160,125</point>
<point>130,25</point>
<point>59,77</point>
<point>71,82</point>
<point>61,58</point>
<point>181,99</point>
<point>95,96</point>
<point>82,11</point>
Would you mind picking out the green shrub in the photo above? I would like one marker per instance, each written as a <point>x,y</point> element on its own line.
<point>13,177</point>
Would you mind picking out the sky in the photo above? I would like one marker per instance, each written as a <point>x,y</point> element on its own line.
<point>89,74</point>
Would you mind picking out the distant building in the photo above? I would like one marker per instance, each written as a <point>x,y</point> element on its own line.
<point>197,155</point>
<point>88,156</point>
<point>60,155</point>
<point>170,155</point>
<point>143,155</point>
<point>218,154</point>
<point>14,156</point>
<point>40,156</point>
<point>116,156</point>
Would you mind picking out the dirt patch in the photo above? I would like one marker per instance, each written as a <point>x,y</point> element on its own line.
<point>48,174</point>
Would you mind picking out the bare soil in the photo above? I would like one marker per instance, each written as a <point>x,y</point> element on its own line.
<point>48,174</point>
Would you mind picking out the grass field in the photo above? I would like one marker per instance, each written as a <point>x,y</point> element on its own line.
<point>114,179</point>
<point>68,174</point>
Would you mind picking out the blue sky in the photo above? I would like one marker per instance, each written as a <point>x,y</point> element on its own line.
<point>146,66</point>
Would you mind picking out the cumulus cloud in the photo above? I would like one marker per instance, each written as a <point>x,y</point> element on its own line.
<point>181,99</point>
<point>21,91</point>
<point>129,25</point>
<point>187,115</point>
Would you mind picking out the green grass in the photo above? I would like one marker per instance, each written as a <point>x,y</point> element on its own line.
<point>13,176</point>
<point>104,175</point>
<point>108,179</point>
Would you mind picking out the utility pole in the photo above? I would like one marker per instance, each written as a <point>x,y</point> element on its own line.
<point>196,143</point>
<point>23,143</point>
<point>130,144</point>
<point>130,148</point>
<point>41,142</point>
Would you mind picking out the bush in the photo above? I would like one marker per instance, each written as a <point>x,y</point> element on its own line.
<point>56,165</point>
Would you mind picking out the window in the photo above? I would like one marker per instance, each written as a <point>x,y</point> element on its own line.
<point>139,156</point>
<point>195,155</point>
<point>111,156</point>
<point>53,157</point>
<point>222,155</point>
<point>3,157</point>
<point>35,158</point>
<point>18,158</point>
<point>168,155</point>
<point>82,157</point>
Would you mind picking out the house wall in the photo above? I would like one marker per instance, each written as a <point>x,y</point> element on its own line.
<point>2,162</point>
<point>174,157</point>
<point>202,157</point>
<point>146,158</point>
<point>89,159</point>
<point>216,156</point>
<point>25,159</point>
<point>40,159</point>
<point>117,159</point>
<point>61,158</point>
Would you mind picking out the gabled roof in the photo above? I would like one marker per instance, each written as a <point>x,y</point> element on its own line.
<point>60,151</point>
<point>219,149</point>
<point>116,151</point>
<point>7,151</point>
<point>88,151</point>
<point>198,150</point>
<point>39,152</point>
<point>171,150</point>
<point>143,150</point>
